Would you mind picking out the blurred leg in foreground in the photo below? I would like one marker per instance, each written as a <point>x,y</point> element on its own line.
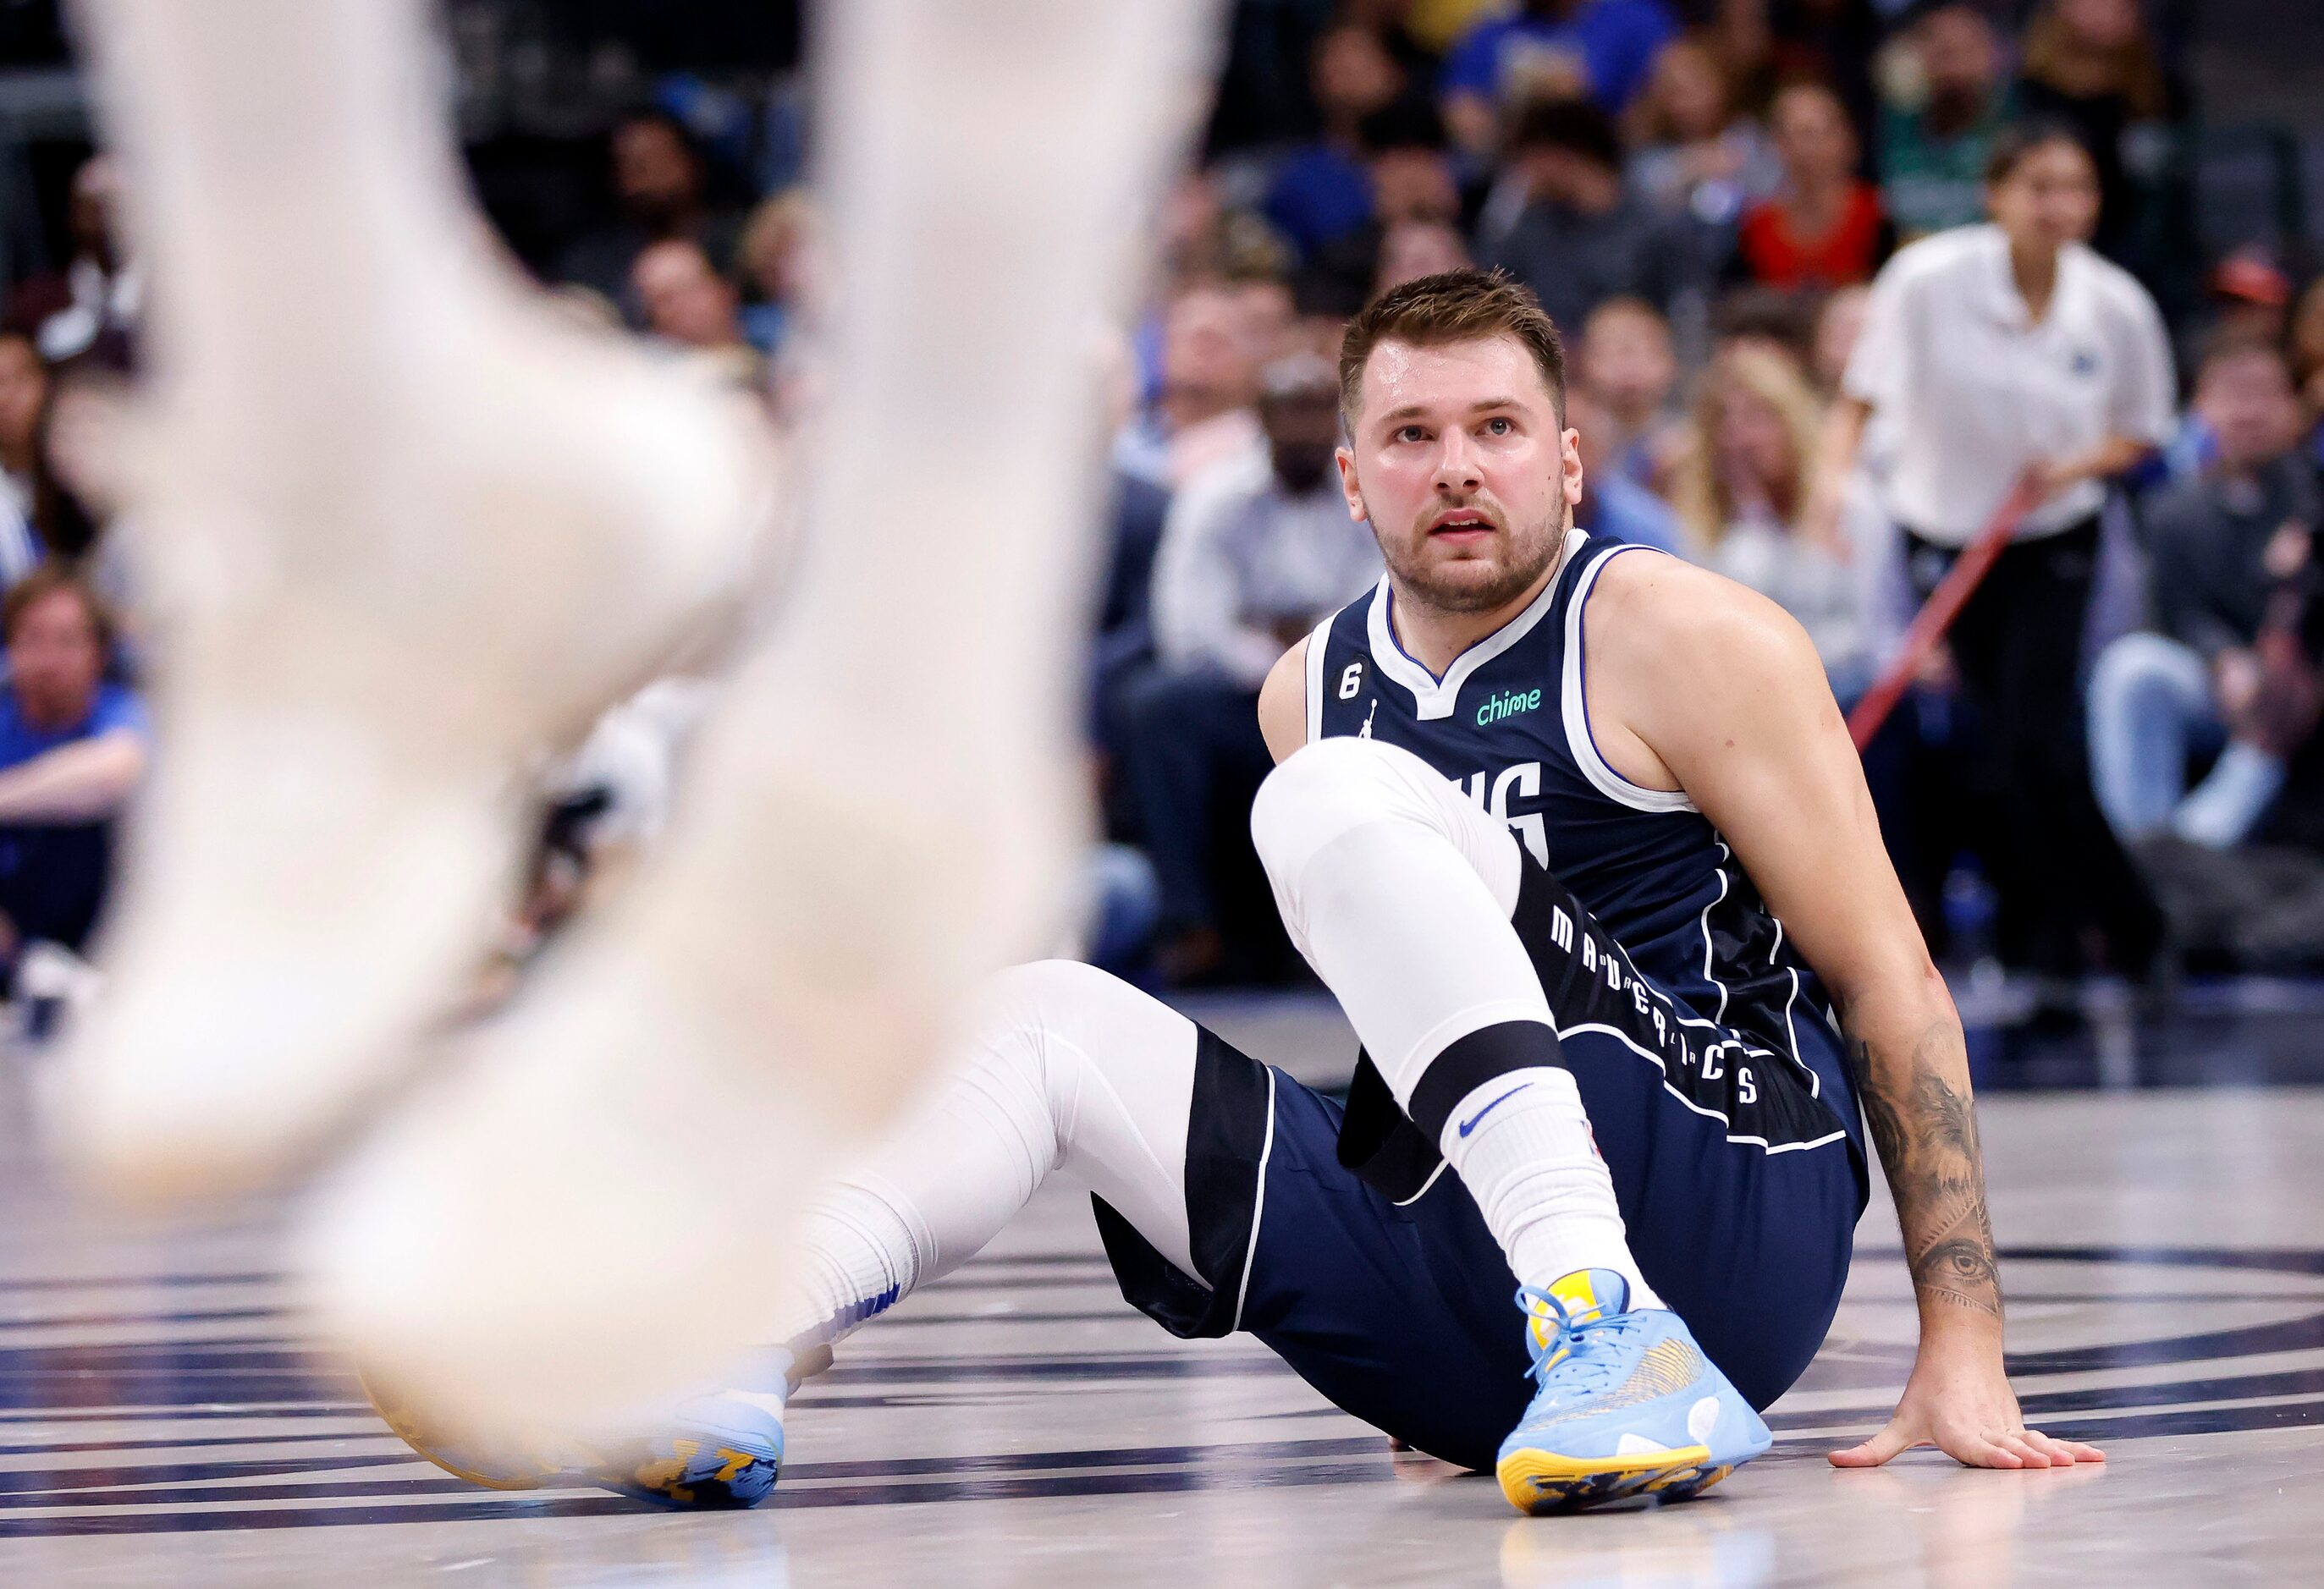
<point>397,598</point>
<point>409,533</point>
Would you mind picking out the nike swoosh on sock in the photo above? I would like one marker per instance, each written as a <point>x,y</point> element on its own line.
<point>1469,1125</point>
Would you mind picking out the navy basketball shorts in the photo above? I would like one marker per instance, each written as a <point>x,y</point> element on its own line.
<point>1338,1236</point>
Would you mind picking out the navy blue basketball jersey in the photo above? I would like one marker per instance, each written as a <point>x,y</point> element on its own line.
<point>1508,724</point>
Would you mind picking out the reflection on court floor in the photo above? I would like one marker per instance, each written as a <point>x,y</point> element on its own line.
<point>161,1419</point>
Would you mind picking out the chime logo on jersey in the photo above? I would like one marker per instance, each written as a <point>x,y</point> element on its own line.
<point>1507,703</point>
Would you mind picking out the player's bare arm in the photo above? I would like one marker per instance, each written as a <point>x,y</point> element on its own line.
<point>1282,703</point>
<point>1696,683</point>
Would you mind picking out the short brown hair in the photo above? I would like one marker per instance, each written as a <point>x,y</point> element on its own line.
<point>2231,342</point>
<point>48,580</point>
<point>1453,306</point>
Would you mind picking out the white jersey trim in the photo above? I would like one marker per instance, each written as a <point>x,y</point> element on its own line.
<point>1433,698</point>
<point>1442,1166</point>
<point>1574,702</point>
<point>1257,1204</point>
<point>1318,644</point>
<point>1709,974</point>
<point>1815,1083</point>
<point>1733,1136</point>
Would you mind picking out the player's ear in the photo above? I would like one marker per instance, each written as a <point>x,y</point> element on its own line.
<point>1568,448</point>
<point>1354,492</point>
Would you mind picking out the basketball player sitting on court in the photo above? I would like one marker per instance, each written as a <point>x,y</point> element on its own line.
<point>1574,833</point>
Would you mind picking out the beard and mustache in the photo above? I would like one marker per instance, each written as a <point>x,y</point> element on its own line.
<point>1456,585</point>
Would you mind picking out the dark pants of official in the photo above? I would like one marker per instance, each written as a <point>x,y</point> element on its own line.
<point>2051,859</point>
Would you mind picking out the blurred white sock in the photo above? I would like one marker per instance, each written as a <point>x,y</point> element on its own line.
<point>407,533</point>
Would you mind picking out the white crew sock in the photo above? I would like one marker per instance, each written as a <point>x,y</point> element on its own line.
<point>1530,1163</point>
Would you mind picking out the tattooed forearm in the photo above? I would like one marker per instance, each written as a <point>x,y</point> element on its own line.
<point>1926,1135</point>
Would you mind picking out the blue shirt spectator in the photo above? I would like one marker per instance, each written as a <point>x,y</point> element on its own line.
<point>1606,47</point>
<point>1628,511</point>
<point>1321,191</point>
<point>1613,504</point>
<point>72,751</point>
<point>114,710</point>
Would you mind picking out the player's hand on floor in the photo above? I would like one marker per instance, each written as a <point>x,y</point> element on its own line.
<point>1966,1408</point>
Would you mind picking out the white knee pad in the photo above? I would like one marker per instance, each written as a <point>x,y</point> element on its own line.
<point>1060,1031</point>
<point>1327,790</point>
<point>1330,788</point>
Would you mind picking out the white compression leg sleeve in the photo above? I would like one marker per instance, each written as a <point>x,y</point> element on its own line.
<point>1070,1068</point>
<point>1398,891</point>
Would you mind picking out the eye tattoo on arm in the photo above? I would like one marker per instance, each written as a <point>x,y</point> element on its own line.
<point>1926,1135</point>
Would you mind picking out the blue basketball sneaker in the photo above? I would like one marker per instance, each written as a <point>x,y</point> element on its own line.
<point>715,1452</point>
<point>1628,1405</point>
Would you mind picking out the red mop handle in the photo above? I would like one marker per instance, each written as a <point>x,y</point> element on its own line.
<point>1930,624</point>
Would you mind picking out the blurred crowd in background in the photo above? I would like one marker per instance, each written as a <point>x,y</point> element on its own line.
<point>2113,768</point>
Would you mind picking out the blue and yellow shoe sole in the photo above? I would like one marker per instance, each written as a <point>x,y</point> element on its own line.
<point>677,1471</point>
<point>1537,1482</point>
<point>686,1475</point>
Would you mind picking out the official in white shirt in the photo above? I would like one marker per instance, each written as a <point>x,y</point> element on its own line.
<point>1995,354</point>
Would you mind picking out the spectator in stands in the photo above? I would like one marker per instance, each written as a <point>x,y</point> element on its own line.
<point>1839,323</point>
<point>1740,483</point>
<point>1933,153</point>
<point>689,304</point>
<point>1410,250</point>
<point>662,191</point>
<point>1697,156</point>
<point>2247,292</point>
<point>2219,544</point>
<point>1411,166</point>
<point>2307,343</point>
<point>1268,309</point>
<point>2091,64</point>
<point>96,301</point>
<point>1603,50</point>
<point>2247,298</point>
<point>1193,224</point>
<point>23,400</point>
<point>1768,43</point>
<point>1823,228</point>
<point>1581,237</point>
<point>52,467</point>
<point>1254,554</point>
<point>1415,31</point>
<point>1322,192</point>
<point>1202,414</point>
<point>1770,317</point>
<point>1409,173</point>
<point>2024,308</point>
<point>1626,360</point>
<point>73,748</point>
<point>1612,503</point>
<point>778,259</point>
